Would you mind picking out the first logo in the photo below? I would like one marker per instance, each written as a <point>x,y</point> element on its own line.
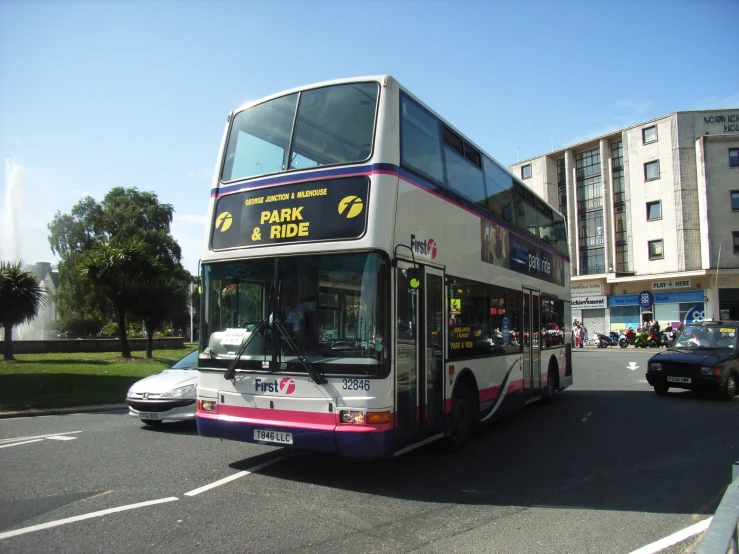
<point>223,221</point>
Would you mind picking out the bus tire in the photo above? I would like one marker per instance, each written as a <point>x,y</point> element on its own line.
<point>462,419</point>
<point>552,384</point>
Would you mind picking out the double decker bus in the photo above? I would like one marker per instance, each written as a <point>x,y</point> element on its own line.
<point>372,281</point>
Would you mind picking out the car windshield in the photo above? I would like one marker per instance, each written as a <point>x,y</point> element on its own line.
<point>188,362</point>
<point>700,336</point>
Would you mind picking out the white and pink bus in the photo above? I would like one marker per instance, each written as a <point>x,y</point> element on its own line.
<point>372,281</point>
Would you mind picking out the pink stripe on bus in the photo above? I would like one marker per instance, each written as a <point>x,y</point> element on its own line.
<point>289,418</point>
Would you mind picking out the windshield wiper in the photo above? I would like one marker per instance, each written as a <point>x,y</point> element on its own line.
<point>318,379</point>
<point>232,366</point>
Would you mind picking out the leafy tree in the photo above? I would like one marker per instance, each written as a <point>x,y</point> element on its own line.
<point>21,298</point>
<point>93,240</point>
<point>158,300</point>
<point>118,270</point>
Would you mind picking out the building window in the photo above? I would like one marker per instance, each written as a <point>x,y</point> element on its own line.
<point>617,165</point>
<point>733,157</point>
<point>656,252</point>
<point>592,261</point>
<point>591,229</point>
<point>735,235</point>
<point>651,170</point>
<point>649,134</point>
<point>654,210</point>
<point>526,171</point>
<point>589,185</point>
<point>735,200</point>
<point>562,185</point>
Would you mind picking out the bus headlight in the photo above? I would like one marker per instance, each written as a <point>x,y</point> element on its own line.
<point>207,405</point>
<point>352,416</point>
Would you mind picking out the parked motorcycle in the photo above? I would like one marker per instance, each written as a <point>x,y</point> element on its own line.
<point>654,340</point>
<point>627,338</point>
<point>641,340</point>
<point>604,341</point>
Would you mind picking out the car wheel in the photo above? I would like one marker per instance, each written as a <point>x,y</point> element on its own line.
<point>729,389</point>
<point>461,418</point>
<point>661,389</point>
<point>151,422</point>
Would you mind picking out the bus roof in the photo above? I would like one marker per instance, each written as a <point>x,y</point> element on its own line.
<point>385,79</point>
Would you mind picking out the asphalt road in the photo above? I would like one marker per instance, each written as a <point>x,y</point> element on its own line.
<point>609,467</point>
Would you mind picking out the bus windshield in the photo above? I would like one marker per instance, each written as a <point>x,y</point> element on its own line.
<point>335,308</point>
<point>323,126</point>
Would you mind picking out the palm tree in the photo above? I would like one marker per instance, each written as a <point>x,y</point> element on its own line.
<point>21,298</point>
<point>118,270</point>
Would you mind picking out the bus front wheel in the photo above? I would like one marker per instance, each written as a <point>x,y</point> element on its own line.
<point>461,417</point>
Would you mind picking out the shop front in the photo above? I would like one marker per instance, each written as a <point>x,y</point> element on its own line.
<point>591,312</point>
<point>668,308</point>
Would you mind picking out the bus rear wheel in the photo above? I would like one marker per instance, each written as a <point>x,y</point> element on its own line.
<point>461,418</point>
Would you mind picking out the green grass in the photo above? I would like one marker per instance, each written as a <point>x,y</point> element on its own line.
<point>76,379</point>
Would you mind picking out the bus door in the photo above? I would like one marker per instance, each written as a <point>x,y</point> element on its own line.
<point>531,342</point>
<point>419,378</point>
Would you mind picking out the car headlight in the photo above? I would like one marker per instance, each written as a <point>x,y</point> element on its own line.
<point>188,391</point>
<point>711,370</point>
<point>655,366</point>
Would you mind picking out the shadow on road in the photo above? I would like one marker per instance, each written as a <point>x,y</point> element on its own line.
<point>623,450</point>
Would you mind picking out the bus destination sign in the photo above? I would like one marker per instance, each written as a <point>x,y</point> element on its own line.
<point>331,209</point>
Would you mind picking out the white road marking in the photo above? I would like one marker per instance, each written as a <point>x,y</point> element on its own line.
<point>632,366</point>
<point>19,443</point>
<point>4,441</point>
<point>674,538</point>
<point>58,438</point>
<point>233,477</point>
<point>101,513</point>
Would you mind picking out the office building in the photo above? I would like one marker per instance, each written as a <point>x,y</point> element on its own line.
<point>653,208</point>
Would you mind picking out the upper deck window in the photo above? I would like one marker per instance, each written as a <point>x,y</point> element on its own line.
<point>420,141</point>
<point>333,125</point>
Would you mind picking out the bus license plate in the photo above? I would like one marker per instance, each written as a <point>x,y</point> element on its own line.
<point>279,437</point>
<point>678,379</point>
<point>148,415</point>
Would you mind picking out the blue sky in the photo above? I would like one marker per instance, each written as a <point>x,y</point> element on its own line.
<point>101,94</point>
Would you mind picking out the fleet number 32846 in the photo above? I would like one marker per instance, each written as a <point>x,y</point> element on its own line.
<point>357,384</point>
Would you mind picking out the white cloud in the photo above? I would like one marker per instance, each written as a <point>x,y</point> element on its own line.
<point>190,219</point>
<point>85,194</point>
<point>714,103</point>
<point>635,105</point>
<point>201,174</point>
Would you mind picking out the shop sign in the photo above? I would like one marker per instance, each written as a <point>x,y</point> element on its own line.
<point>586,289</point>
<point>671,284</point>
<point>659,298</point>
<point>721,281</point>
<point>589,302</point>
<point>646,299</point>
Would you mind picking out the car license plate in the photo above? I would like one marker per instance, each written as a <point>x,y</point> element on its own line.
<point>279,437</point>
<point>148,415</point>
<point>678,379</point>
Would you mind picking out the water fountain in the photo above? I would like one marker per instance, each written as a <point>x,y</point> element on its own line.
<point>10,250</point>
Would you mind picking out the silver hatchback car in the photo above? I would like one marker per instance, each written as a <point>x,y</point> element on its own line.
<point>169,395</point>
